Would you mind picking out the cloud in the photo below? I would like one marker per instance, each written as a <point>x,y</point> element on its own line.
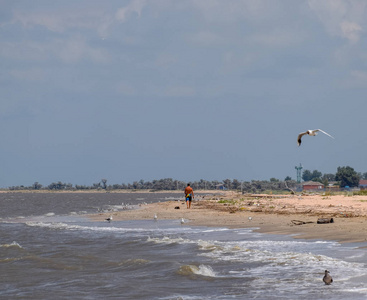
<point>228,11</point>
<point>76,48</point>
<point>351,31</point>
<point>343,18</point>
<point>135,6</point>
<point>58,20</point>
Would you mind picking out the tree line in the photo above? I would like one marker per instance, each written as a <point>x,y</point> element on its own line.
<point>168,184</point>
<point>345,176</point>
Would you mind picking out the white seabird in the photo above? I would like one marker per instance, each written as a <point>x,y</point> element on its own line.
<point>327,278</point>
<point>155,217</point>
<point>109,219</point>
<point>182,220</point>
<point>312,133</point>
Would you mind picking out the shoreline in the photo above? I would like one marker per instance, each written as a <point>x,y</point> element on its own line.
<point>271,214</point>
<point>117,191</point>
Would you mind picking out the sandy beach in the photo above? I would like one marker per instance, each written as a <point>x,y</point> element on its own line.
<point>277,214</point>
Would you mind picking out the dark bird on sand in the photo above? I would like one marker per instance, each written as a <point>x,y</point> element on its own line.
<point>109,219</point>
<point>310,132</point>
<point>327,278</point>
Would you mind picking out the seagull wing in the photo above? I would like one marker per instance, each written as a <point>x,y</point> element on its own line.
<point>325,133</point>
<point>300,136</point>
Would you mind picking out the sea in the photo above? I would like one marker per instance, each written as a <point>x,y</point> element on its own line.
<point>50,248</point>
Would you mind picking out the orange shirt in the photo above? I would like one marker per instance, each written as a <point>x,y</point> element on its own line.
<point>189,190</point>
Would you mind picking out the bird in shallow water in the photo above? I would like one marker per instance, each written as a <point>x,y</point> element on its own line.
<point>109,219</point>
<point>311,133</point>
<point>182,220</point>
<point>327,278</point>
<point>155,217</point>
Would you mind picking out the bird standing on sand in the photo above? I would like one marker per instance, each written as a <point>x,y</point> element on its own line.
<point>155,217</point>
<point>312,133</point>
<point>327,278</point>
<point>182,220</point>
<point>109,219</point>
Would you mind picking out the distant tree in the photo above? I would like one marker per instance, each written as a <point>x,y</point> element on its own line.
<point>314,175</point>
<point>328,177</point>
<point>288,178</point>
<point>36,186</point>
<point>274,179</point>
<point>57,186</point>
<point>227,183</point>
<point>306,175</point>
<point>236,184</point>
<point>104,183</point>
<point>364,176</point>
<point>347,176</point>
<point>82,187</point>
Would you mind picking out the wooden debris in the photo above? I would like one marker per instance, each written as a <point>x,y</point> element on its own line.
<point>325,220</point>
<point>298,222</point>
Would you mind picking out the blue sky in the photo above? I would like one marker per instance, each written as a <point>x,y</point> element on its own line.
<point>150,89</point>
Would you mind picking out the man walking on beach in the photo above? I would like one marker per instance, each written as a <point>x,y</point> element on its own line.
<point>189,194</point>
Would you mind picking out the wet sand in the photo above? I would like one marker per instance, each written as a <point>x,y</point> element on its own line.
<point>276,214</point>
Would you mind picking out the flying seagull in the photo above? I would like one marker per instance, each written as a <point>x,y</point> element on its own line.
<point>109,219</point>
<point>310,132</point>
<point>327,278</point>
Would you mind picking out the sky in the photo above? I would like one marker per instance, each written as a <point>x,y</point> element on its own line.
<point>148,89</point>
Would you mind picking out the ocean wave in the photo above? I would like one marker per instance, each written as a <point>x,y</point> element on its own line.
<point>13,244</point>
<point>73,227</point>
<point>202,270</point>
<point>170,240</point>
<point>133,262</point>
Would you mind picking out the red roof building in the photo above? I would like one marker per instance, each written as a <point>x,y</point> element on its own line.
<point>363,184</point>
<point>312,186</point>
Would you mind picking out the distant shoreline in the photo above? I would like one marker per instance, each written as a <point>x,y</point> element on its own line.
<point>286,214</point>
<point>111,191</point>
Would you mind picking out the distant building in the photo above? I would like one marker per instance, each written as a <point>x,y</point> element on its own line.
<point>220,187</point>
<point>363,184</point>
<point>312,186</point>
<point>333,186</point>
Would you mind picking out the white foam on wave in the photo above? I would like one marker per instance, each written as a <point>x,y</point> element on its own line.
<point>170,240</point>
<point>13,244</point>
<point>284,264</point>
<point>202,270</point>
<point>51,214</point>
<point>281,264</point>
<point>216,230</point>
<point>108,228</point>
<point>73,227</point>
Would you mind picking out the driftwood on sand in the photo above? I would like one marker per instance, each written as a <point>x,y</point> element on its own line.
<point>325,220</point>
<point>298,222</point>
